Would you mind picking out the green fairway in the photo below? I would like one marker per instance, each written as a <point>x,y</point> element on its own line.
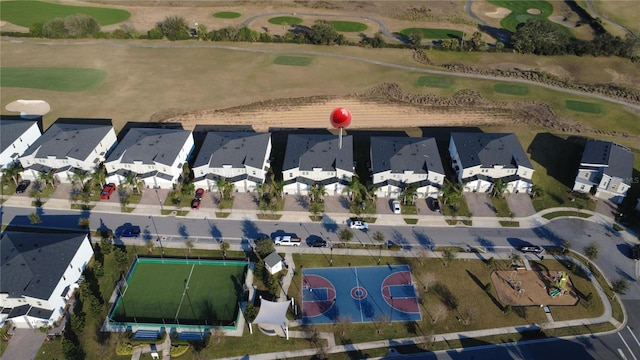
<point>434,81</point>
<point>434,33</point>
<point>292,60</point>
<point>227,15</point>
<point>348,26</point>
<point>57,79</point>
<point>585,107</point>
<point>194,293</point>
<point>511,89</point>
<point>519,12</point>
<point>285,20</point>
<point>27,13</point>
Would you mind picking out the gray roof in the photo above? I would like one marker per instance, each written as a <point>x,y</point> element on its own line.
<point>33,263</point>
<point>308,152</point>
<point>272,259</point>
<point>238,149</point>
<point>617,159</point>
<point>11,130</point>
<point>489,150</point>
<point>75,141</point>
<point>150,146</point>
<point>400,154</point>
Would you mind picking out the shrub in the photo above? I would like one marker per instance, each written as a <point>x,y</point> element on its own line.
<point>81,25</point>
<point>178,350</point>
<point>124,349</point>
<point>175,28</point>
<point>155,34</point>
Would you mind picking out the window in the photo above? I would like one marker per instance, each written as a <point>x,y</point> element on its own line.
<point>582,187</point>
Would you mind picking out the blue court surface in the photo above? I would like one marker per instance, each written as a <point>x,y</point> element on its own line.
<point>359,294</point>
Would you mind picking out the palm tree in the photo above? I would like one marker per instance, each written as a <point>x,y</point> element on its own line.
<point>499,186</point>
<point>536,190</point>
<point>131,180</point>
<point>220,185</point>
<point>261,189</point>
<point>99,175</point>
<point>79,177</point>
<point>48,178</point>
<point>451,193</point>
<point>277,188</point>
<point>408,193</point>
<point>355,190</point>
<point>12,172</point>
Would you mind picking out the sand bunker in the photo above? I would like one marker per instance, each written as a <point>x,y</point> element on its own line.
<point>29,107</point>
<point>499,13</point>
<point>534,11</point>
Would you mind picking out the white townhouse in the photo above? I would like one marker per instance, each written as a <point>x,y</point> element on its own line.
<point>241,158</point>
<point>397,162</point>
<point>68,146</point>
<point>480,159</point>
<point>311,160</point>
<point>16,135</point>
<point>40,271</point>
<point>155,156</point>
<point>605,170</point>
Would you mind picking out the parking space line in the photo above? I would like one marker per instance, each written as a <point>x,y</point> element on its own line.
<point>628,348</point>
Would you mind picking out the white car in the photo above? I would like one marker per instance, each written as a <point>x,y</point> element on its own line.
<point>395,206</point>
<point>360,225</point>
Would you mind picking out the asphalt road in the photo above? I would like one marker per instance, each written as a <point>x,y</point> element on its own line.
<point>613,261</point>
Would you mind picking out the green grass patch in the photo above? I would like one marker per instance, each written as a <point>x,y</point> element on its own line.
<point>511,89</point>
<point>27,13</point>
<point>56,79</point>
<point>317,218</point>
<point>501,206</point>
<point>293,60</point>
<point>582,106</point>
<point>410,221</point>
<point>557,214</point>
<point>82,207</point>
<point>434,81</point>
<point>269,216</point>
<point>509,223</point>
<point>227,15</point>
<point>428,33</point>
<point>519,12</point>
<point>222,214</point>
<point>617,227</point>
<point>454,222</point>
<point>349,26</point>
<point>127,209</point>
<point>409,210</point>
<point>285,20</point>
<point>174,212</point>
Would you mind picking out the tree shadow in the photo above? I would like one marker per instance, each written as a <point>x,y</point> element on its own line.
<point>398,239</point>
<point>250,230</point>
<point>182,230</point>
<point>329,224</point>
<point>303,201</point>
<point>485,243</point>
<point>482,286</point>
<point>624,274</point>
<point>423,239</point>
<point>560,157</point>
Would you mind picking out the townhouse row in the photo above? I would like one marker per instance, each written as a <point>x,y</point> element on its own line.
<point>156,156</point>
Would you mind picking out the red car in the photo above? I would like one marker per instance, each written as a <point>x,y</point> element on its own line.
<point>107,190</point>
<point>199,193</point>
<point>195,204</point>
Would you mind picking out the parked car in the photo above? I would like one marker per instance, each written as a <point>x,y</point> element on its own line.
<point>195,204</point>
<point>286,240</point>
<point>107,190</point>
<point>531,249</point>
<point>128,230</point>
<point>199,193</point>
<point>395,206</point>
<point>635,252</point>
<point>22,186</point>
<point>359,225</point>
<point>433,204</point>
<point>316,241</point>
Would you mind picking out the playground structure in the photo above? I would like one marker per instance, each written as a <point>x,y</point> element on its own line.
<point>558,285</point>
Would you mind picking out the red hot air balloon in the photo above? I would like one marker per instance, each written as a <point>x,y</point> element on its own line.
<point>340,119</point>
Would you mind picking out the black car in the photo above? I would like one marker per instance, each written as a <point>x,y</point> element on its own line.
<point>531,249</point>
<point>130,231</point>
<point>635,252</point>
<point>22,186</point>
<point>317,241</point>
<point>433,204</point>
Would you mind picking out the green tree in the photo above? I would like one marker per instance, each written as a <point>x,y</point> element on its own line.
<point>448,256</point>
<point>224,247</point>
<point>35,30</point>
<point>264,247</point>
<point>345,235</point>
<point>322,32</point>
<point>175,28</point>
<point>540,37</point>
<point>78,178</point>
<point>379,237</point>
<point>416,38</point>
<point>408,193</point>
<point>620,286</point>
<point>189,245</point>
<point>250,312</point>
<point>12,172</point>
<point>84,223</point>
<point>476,40</point>
<point>591,251</point>
<point>498,189</point>
<point>99,176</point>
<point>155,34</point>
<point>81,26</point>
<point>48,178</point>
<point>451,193</point>
<point>34,219</point>
<point>54,29</point>
<point>515,258</point>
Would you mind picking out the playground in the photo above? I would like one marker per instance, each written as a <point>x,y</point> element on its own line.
<point>359,294</point>
<point>534,288</point>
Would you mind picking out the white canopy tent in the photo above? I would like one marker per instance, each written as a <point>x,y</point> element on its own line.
<point>274,313</point>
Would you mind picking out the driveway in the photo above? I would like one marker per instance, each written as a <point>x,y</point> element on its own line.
<point>479,204</point>
<point>295,203</point>
<point>606,208</point>
<point>336,204</point>
<point>242,201</point>
<point>520,204</point>
<point>24,344</point>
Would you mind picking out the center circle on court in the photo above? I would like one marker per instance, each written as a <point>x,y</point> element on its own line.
<point>358,293</point>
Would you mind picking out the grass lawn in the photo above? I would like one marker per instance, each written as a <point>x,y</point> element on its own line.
<point>460,208</point>
<point>293,60</point>
<point>409,209</point>
<point>434,81</point>
<point>557,214</point>
<point>227,15</point>
<point>27,13</point>
<point>519,12</point>
<point>156,291</point>
<point>511,89</point>
<point>428,33</point>
<point>507,223</point>
<point>56,79</point>
<point>581,106</point>
<point>349,26</point>
<point>410,221</point>
<point>285,20</point>
<point>501,206</point>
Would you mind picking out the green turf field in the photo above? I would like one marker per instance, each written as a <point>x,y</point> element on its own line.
<point>196,293</point>
<point>511,89</point>
<point>285,20</point>
<point>227,15</point>
<point>292,60</point>
<point>434,81</point>
<point>58,79</point>
<point>27,13</point>
<point>585,107</point>
<point>349,26</point>
<point>434,33</point>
